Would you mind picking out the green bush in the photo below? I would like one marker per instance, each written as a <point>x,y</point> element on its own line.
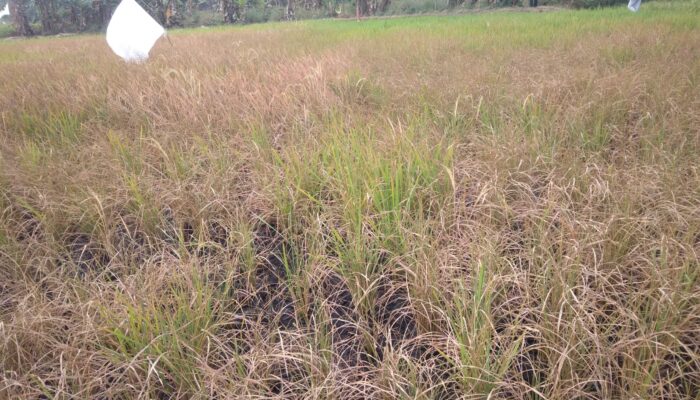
<point>202,18</point>
<point>595,3</point>
<point>256,15</point>
<point>310,13</point>
<point>6,30</point>
<point>415,6</point>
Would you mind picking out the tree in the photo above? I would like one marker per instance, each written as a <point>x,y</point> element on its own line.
<point>361,8</point>
<point>230,10</point>
<point>47,14</point>
<point>290,10</point>
<point>100,12</point>
<point>18,14</point>
<point>171,14</point>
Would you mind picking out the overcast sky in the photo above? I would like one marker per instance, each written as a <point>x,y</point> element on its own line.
<point>5,10</point>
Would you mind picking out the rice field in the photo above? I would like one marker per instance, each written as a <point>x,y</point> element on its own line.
<point>500,205</point>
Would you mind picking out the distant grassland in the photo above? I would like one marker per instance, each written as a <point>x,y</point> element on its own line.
<point>502,205</point>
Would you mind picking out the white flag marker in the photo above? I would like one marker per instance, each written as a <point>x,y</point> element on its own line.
<point>634,5</point>
<point>131,32</point>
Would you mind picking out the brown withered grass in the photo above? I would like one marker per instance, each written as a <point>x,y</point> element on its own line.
<point>501,206</point>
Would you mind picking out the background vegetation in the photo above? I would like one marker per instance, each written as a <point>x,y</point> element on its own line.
<point>47,17</point>
<point>496,205</point>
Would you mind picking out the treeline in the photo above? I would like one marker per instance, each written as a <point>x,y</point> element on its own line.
<point>48,17</point>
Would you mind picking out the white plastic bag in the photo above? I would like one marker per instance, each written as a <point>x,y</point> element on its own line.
<point>634,5</point>
<point>131,32</point>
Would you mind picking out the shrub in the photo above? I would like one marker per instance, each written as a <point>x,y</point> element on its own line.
<point>256,15</point>
<point>595,3</point>
<point>6,30</point>
<point>202,18</point>
<point>416,6</point>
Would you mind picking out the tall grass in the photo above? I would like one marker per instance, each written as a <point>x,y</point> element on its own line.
<point>501,205</point>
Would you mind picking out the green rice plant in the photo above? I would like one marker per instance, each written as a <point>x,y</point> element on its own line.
<point>164,337</point>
